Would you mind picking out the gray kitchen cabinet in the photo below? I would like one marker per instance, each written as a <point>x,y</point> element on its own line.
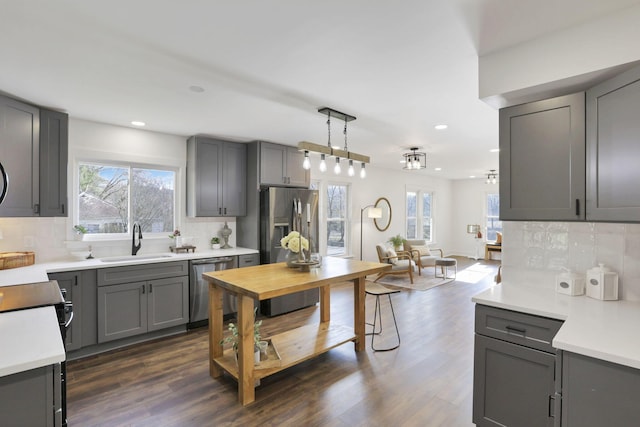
<point>136,299</point>
<point>216,178</point>
<point>248,260</point>
<point>31,398</point>
<point>613,149</point>
<point>20,156</point>
<point>515,378</point>
<point>597,393</point>
<point>54,149</point>
<point>282,165</point>
<point>81,290</point>
<point>70,284</point>
<point>542,160</point>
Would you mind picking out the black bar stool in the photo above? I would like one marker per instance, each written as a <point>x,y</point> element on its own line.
<point>376,289</point>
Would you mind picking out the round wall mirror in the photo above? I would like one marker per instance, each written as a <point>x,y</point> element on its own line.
<point>383,222</point>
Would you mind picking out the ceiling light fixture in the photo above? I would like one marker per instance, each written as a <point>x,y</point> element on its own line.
<point>441,127</point>
<point>415,160</point>
<point>329,150</point>
<point>492,177</point>
<point>137,123</point>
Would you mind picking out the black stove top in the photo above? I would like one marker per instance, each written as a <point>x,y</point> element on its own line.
<point>32,295</point>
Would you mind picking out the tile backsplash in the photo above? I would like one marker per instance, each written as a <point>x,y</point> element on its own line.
<point>535,252</point>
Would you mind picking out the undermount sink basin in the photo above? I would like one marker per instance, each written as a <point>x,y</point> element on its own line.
<point>134,258</point>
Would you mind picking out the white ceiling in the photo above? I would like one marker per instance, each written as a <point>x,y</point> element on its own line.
<point>266,66</point>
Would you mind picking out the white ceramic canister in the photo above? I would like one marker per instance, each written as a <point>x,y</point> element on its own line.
<point>569,283</point>
<point>602,283</point>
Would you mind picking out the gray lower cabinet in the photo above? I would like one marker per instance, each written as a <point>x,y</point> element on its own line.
<point>216,178</point>
<point>20,156</point>
<point>152,302</point>
<point>81,290</point>
<point>613,150</point>
<point>248,260</point>
<point>542,160</point>
<point>514,381</point>
<point>596,393</point>
<point>282,165</point>
<point>31,398</point>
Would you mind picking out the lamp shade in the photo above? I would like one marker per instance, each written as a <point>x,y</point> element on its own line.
<point>375,213</point>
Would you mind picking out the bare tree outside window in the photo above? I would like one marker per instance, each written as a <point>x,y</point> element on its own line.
<point>111,197</point>
<point>494,224</point>
<point>336,219</point>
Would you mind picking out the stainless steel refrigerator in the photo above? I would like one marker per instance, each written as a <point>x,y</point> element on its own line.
<point>277,219</point>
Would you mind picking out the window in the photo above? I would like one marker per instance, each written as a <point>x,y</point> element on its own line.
<point>494,224</point>
<point>419,215</point>
<point>111,197</point>
<point>337,224</point>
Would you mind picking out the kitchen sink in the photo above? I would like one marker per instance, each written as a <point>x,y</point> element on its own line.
<point>134,258</point>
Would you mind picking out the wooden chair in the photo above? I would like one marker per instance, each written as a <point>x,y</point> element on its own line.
<point>421,258</point>
<point>400,264</point>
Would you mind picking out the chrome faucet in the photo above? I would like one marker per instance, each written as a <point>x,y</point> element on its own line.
<point>135,248</point>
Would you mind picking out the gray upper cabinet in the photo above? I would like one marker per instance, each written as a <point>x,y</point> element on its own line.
<point>281,165</point>
<point>216,178</point>
<point>613,149</point>
<point>20,156</point>
<point>542,160</point>
<point>54,130</point>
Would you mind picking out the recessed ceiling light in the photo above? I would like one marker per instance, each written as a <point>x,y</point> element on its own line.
<point>136,123</point>
<point>197,89</point>
<point>472,176</point>
<point>441,127</point>
<point>494,150</point>
<point>438,169</point>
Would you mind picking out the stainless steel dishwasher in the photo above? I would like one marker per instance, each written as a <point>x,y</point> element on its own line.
<point>199,289</point>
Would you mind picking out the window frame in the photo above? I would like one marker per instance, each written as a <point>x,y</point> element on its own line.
<point>419,192</point>
<point>486,215</point>
<point>130,166</point>
<point>346,220</point>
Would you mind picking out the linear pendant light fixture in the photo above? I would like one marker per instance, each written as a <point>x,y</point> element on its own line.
<point>329,150</point>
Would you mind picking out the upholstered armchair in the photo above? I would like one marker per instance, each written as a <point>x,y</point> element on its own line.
<point>422,254</point>
<point>401,262</point>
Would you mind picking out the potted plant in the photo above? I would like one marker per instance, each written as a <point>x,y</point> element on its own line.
<point>80,231</point>
<point>176,237</point>
<point>215,243</point>
<point>397,241</point>
<point>233,338</point>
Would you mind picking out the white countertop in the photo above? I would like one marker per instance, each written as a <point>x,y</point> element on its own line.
<point>606,330</point>
<point>30,339</point>
<point>38,272</point>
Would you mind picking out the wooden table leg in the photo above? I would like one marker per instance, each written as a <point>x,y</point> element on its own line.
<point>358,312</point>
<point>246,384</point>
<point>325,303</point>
<point>215,328</point>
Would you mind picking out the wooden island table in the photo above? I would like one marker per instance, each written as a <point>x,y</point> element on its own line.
<point>294,346</point>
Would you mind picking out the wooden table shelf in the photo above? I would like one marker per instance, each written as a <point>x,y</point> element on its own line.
<point>296,345</point>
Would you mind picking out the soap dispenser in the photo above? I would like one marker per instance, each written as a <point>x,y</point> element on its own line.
<point>602,283</point>
<point>569,283</point>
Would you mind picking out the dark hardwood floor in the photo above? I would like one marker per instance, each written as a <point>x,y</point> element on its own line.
<point>425,382</point>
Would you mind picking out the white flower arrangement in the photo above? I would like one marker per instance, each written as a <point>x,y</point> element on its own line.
<point>292,242</point>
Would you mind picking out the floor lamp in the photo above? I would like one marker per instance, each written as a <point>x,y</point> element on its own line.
<point>373,213</point>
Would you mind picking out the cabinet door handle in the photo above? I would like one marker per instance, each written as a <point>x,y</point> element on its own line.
<point>143,288</point>
<point>36,208</point>
<point>225,211</point>
<point>514,329</point>
<point>577,207</point>
<point>219,211</point>
<point>150,287</point>
<point>552,405</point>
<point>62,207</point>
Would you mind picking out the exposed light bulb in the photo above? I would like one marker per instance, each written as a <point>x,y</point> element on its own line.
<point>363,171</point>
<point>323,163</point>
<point>336,168</point>
<point>493,180</point>
<point>351,171</point>
<point>306,164</point>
